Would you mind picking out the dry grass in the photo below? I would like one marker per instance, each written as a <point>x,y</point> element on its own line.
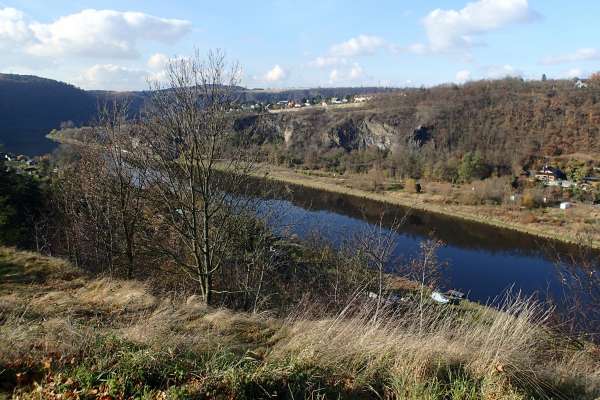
<point>113,337</point>
<point>505,350</point>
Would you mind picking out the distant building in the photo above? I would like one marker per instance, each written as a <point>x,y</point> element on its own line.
<point>361,99</point>
<point>581,84</point>
<point>550,174</point>
<point>565,205</point>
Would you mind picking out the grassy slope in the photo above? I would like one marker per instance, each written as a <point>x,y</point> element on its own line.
<point>62,332</point>
<point>482,214</point>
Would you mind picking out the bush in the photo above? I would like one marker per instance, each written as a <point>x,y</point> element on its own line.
<point>528,218</point>
<point>492,190</point>
<point>412,186</point>
<point>531,199</point>
<point>472,167</point>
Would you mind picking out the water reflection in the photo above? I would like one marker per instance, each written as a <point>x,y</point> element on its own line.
<point>482,261</point>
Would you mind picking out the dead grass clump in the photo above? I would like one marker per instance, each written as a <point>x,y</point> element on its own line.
<point>507,347</point>
<point>117,294</point>
<point>23,267</point>
<point>492,190</point>
<point>412,186</point>
<point>528,218</point>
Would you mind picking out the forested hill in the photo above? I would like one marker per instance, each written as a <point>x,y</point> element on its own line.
<point>508,122</point>
<point>506,119</point>
<point>31,106</point>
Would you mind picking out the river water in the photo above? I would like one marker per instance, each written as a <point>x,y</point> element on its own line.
<point>482,261</point>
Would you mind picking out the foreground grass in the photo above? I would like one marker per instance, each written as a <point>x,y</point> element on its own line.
<point>66,335</point>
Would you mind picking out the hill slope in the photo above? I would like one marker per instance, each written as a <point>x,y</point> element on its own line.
<point>31,106</point>
<point>508,122</point>
<point>77,336</point>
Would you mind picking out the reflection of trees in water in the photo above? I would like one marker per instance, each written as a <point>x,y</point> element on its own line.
<point>453,231</point>
<point>575,294</point>
<point>579,274</point>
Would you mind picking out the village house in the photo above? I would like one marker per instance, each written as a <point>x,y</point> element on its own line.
<point>361,99</point>
<point>550,175</point>
<point>581,84</point>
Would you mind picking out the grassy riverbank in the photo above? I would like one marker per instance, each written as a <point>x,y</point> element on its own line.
<point>64,334</point>
<point>561,225</point>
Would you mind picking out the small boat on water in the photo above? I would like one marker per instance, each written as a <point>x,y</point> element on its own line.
<point>439,298</point>
<point>451,296</point>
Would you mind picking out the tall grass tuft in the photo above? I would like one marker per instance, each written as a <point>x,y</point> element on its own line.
<point>478,353</point>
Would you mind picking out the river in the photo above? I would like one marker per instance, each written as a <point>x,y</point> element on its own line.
<point>482,261</point>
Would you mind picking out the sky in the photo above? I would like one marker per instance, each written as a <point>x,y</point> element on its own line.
<point>122,45</point>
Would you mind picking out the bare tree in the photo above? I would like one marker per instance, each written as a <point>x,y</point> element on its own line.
<point>196,179</point>
<point>578,270</point>
<point>377,245</point>
<point>425,269</point>
<point>124,177</point>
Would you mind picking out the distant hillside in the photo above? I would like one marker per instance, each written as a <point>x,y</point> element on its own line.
<point>508,122</point>
<point>31,106</point>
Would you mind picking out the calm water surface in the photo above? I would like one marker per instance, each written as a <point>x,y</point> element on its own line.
<point>482,261</point>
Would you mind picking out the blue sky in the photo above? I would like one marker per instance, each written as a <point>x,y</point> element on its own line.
<point>121,44</point>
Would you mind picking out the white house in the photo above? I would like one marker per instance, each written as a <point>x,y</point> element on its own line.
<point>565,205</point>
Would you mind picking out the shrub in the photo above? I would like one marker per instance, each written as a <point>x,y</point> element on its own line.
<point>492,190</point>
<point>472,167</point>
<point>531,199</point>
<point>528,218</point>
<point>412,186</point>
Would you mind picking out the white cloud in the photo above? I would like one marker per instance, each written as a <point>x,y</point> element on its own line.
<point>584,54</point>
<point>502,71</point>
<point>110,76</point>
<point>575,73</point>
<point>13,27</point>
<point>348,76</point>
<point>327,61</point>
<point>357,46</point>
<point>334,76</point>
<point>463,76</point>
<point>417,48</point>
<point>456,29</point>
<point>89,33</point>
<point>276,74</point>
<point>356,72</point>
<point>158,61</point>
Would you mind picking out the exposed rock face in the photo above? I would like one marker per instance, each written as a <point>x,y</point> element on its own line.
<point>422,135</point>
<point>360,134</point>
<point>343,130</point>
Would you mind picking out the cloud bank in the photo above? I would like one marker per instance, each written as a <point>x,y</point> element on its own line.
<point>88,33</point>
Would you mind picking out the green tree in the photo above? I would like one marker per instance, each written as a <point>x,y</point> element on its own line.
<point>21,204</point>
<point>472,167</point>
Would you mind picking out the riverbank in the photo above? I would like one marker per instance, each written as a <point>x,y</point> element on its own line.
<point>567,226</point>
